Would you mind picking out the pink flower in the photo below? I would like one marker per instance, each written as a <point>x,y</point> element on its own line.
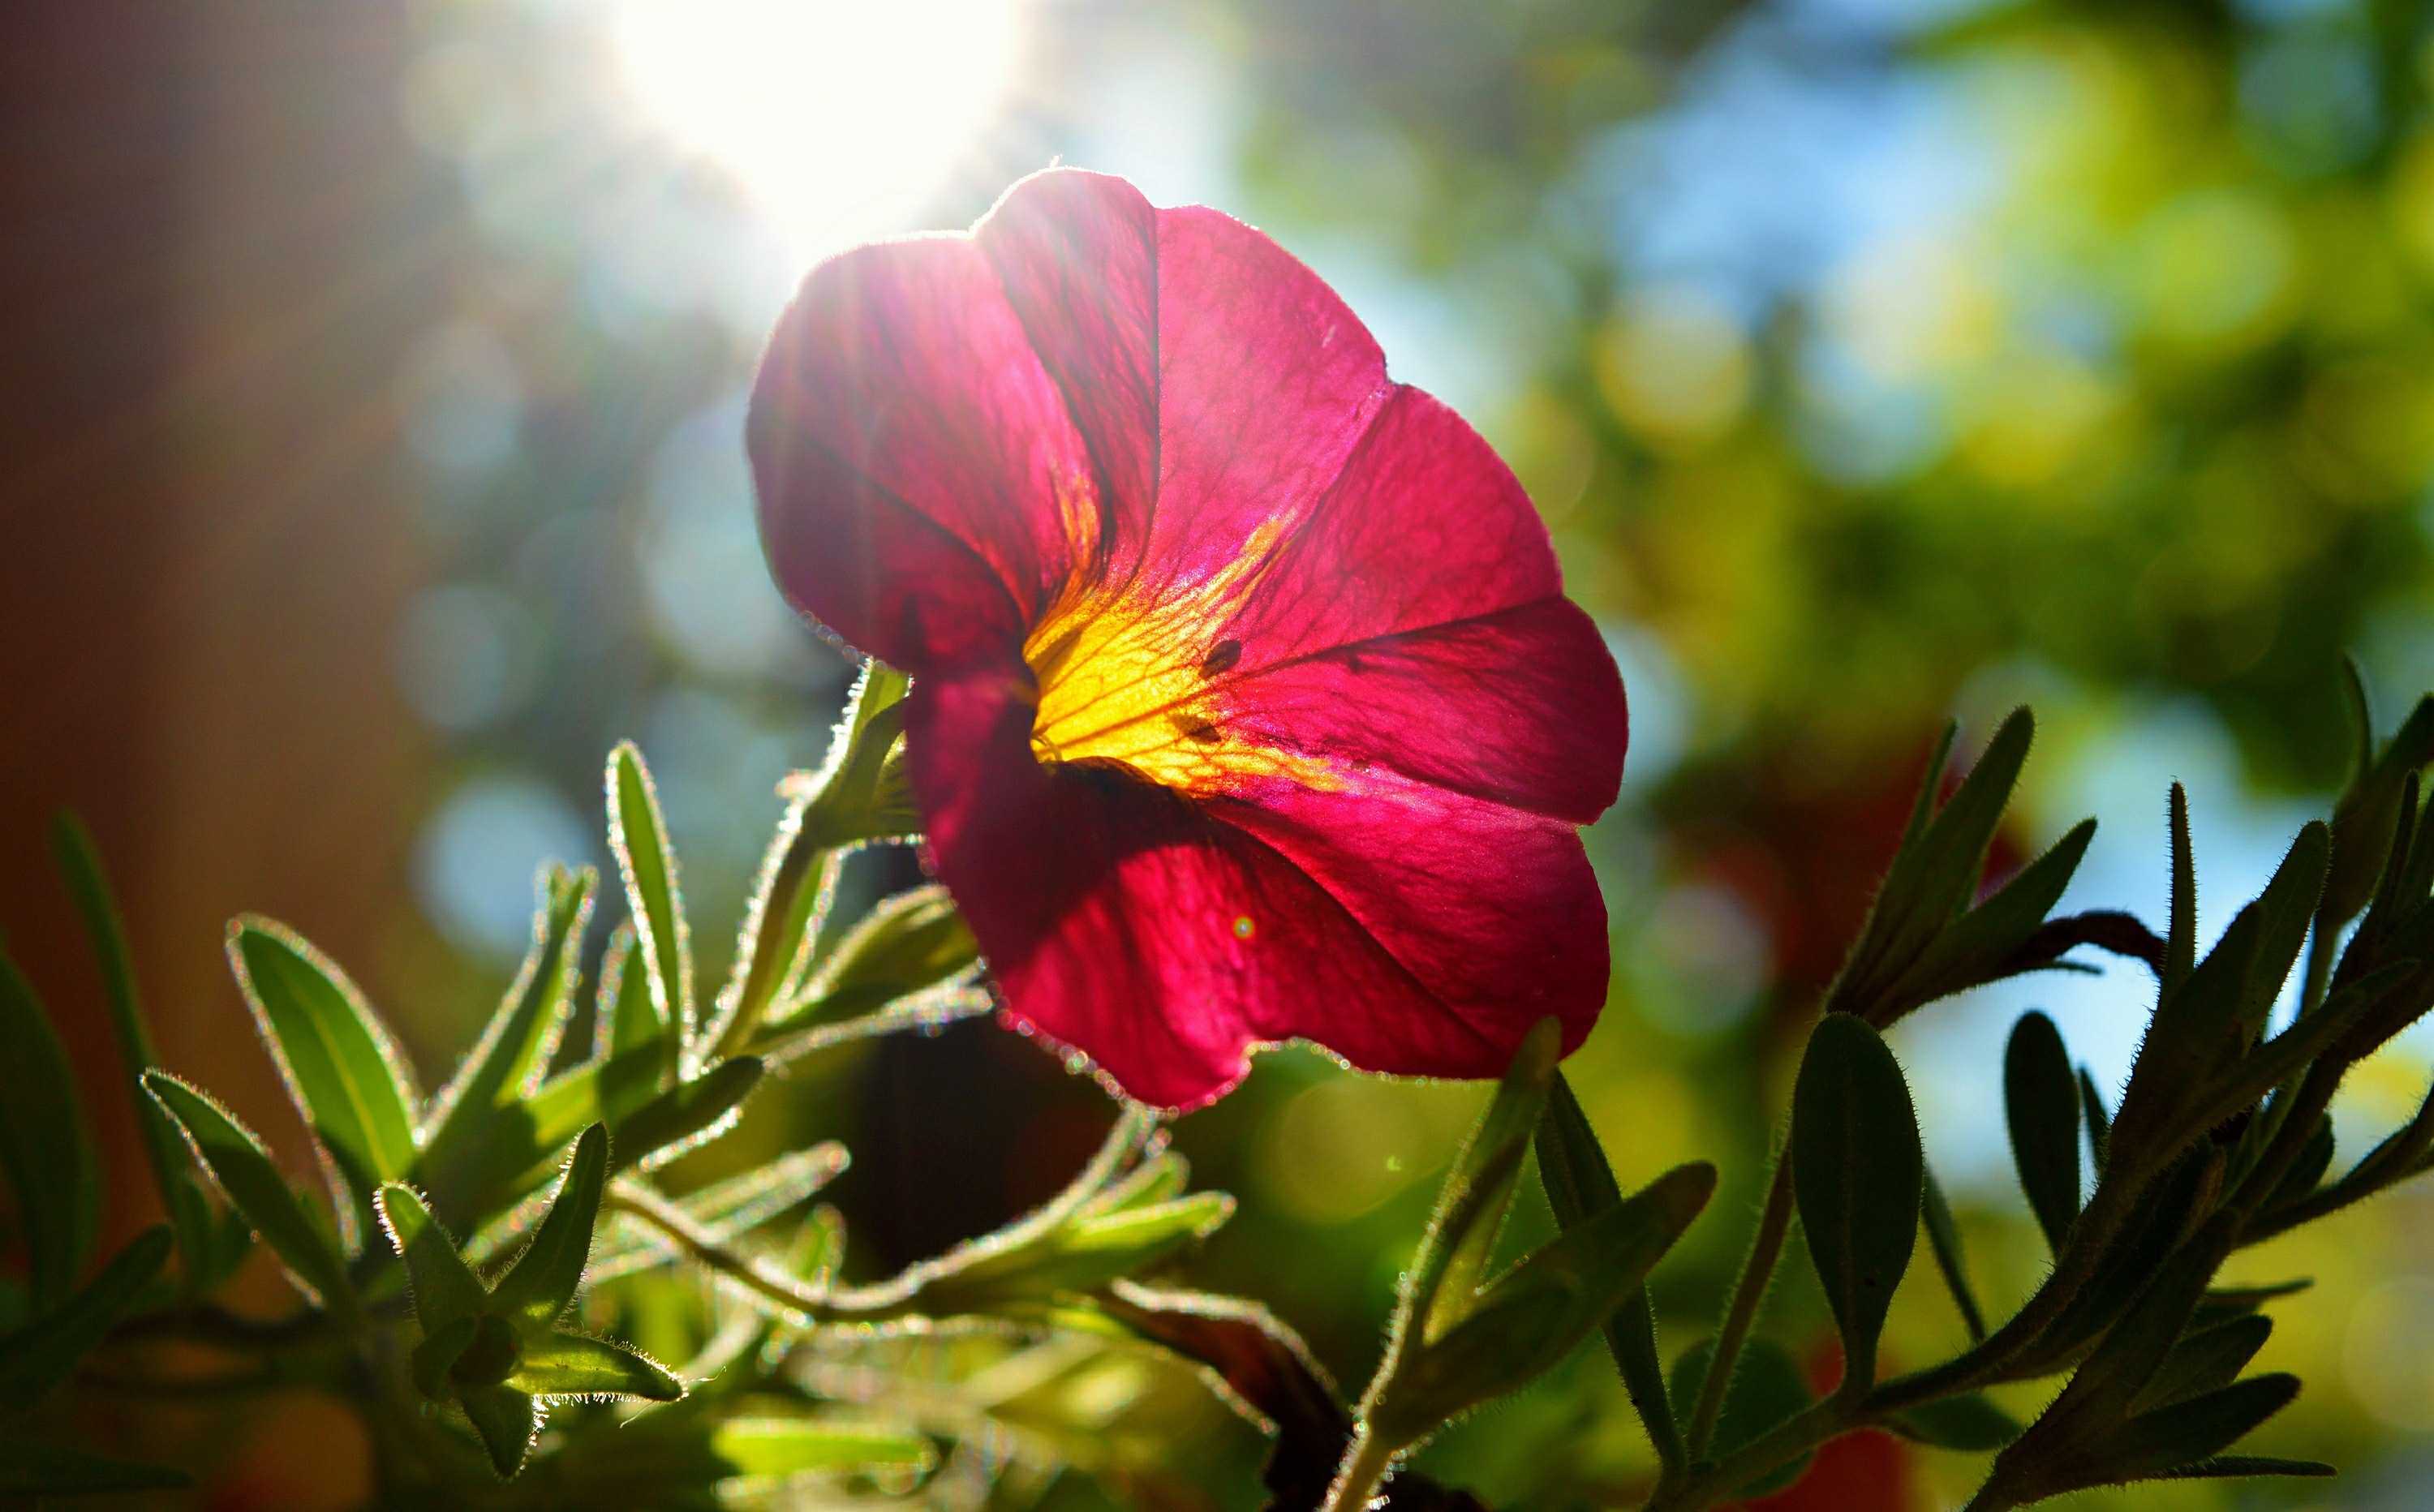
<point>1247,706</point>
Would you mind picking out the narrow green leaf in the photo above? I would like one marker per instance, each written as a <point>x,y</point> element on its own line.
<point>340,1066</point>
<point>685,1116</point>
<point>1443,1283</point>
<point>2205,1359</point>
<point>506,1422</point>
<point>2116,1376</point>
<point>1768,1390</point>
<point>443,1286</point>
<point>571,1364</point>
<point>506,1062</point>
<point>1967,1423</point>
<point>1980,945</point>
<point>42,1143</point>
<point>254,1186</point>
<point>631,1022</point>
<point>190,1215</point>
<point>2099,1123</point>
<point>638,836</point>
<point>2181,942</point>
<point>1857,1172</point>
<point>542,1284</point>
<point>2308,1172</point>
<point>1580,1184</point>
<point>909,944</point>
<point>40,1357</point>
<point>2227,1467</point>
<point>860,794</point>
<point>31,1468</point>
<point>777,1447</point>
<point>1537,1311</point>
<point>2185,1432</point>
<point>1919,899</point>
<point>2286,909</point>
<point>797,882</point>
<point>1944,1241</point>
<point>2041,1107</point>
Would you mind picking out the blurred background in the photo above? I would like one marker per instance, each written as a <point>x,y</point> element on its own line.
<point>369,462</point>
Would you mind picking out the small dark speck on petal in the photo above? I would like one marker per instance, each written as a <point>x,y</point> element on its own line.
<point>1223,658</point>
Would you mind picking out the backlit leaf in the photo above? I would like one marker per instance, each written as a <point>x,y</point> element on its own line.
<point>2042,1109</point>
<point>255,1185</point>
<point>571,1365</point>
<point>1857,1172</point>
<point>40,1357</point>
<point>546,1276</point>
<point>638,836</point>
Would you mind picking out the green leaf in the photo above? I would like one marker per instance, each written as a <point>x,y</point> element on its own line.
<point>2227,1467</point>
<point>542,1284</point>
<point>1442,1285</point>
<point>631,1021</point>
<point>775,1446</point>
<point>1857,1172</point>
<point>1980,945</point>
<point>991,1277</point>
<point>1580,1184</point>
<point>2041,1105</point>
<point>797,884</point>
<point>2117,1375</point>
<point>2181,942</point>
<point>42,1143</point>
<point>1768,1390</point>
<point>2205,1359</point>
<point>2099,1123</point>
<point>40,1357</point>
<point>638,836</point>
<point>32,1467</point>
<point>726,1209</point>
<point>1540,1310</point>
<point>1944,1241</point>
<point>909,944</point>
<point>1968,1422</point>
<point>1934,875</point>
<point>190,1215</point>
<point>571,1365</point>
<point>860,795</point>
<point>253,1184</point>
<point>345,1075</point>
<point>506,1062</point>
<point>2164,1440</point>
<point>685,1116</point>
<point>506,1423</point>
<point>444,1287</point>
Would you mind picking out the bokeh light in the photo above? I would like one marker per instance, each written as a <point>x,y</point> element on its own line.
<point>840,120</point>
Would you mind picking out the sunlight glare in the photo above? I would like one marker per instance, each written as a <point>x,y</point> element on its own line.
<point>840,118</point>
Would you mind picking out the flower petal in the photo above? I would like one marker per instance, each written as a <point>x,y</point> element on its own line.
<point>915,464</point>
<point>1411,930</point>
<point>1266,383</point>
<point>1077,255</point>
<point>1522,708</point>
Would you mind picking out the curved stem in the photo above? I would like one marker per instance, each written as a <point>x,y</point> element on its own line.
<point>1766,1247</point>
<point>1367,1464</point>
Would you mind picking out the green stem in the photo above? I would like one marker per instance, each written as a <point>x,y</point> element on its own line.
<point>1749,1289</point>
<point>1367,1465</point>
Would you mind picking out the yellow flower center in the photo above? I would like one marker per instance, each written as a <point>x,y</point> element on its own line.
<point>1138,675</point>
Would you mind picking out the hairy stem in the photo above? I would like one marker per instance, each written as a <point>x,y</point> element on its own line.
<point>1766,1247</point>
<point>1365,1466</point>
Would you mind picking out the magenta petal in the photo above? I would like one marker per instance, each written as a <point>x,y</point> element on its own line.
<point>1266,383</point>
<point>1412,931</point>
<point>1077,253</point>
<point>1522,708</point>
<point>916,466</point>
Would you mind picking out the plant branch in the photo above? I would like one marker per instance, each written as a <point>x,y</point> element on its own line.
<point>1766,1247</point>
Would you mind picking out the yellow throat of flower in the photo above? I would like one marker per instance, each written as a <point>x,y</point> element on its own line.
<point>1138,675</point>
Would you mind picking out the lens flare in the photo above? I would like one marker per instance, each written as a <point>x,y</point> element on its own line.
<point>839,119</point>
